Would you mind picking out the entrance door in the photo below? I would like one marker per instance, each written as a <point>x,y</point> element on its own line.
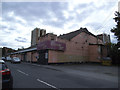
<point>43,57</point>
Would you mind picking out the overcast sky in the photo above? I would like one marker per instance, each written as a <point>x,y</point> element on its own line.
<point>20,18</point>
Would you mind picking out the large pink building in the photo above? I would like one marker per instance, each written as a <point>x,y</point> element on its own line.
<point>78,46</point>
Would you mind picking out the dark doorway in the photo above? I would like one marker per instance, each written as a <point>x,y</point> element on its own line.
<point>24,57</point>
<point>43,57</point>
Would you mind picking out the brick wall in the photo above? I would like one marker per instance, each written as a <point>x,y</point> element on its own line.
<point>77,50</point>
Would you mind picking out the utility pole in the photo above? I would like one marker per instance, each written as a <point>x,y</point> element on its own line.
<point>103,39</point>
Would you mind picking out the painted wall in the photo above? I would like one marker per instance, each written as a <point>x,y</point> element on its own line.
<point>94,53</point>
<point>77,50</point>
<point>28,55</point>
<point>60,57</point>
<point>34,55</point>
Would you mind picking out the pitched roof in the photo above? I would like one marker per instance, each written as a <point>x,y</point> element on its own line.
<point>71,35</point>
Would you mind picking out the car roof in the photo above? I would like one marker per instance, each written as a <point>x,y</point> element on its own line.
<point>1,61</point>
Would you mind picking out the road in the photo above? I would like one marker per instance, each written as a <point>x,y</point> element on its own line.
<point>27,75</point>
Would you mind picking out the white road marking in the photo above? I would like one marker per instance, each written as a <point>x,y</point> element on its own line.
<point>47,84</point>
<point>39,79</point>
<point>22,72</point>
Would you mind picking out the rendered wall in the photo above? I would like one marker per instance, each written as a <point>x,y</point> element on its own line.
<point>77,50</point>
<point>61,57</point>
<point>94,53</point>
<point>34,55</point>
<point>28,56</point>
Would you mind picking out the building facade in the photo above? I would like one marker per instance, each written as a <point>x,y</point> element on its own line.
<point>78,46</point>
<point>36,33</point>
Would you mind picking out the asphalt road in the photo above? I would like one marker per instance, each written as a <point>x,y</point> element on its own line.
<point>26,75</point>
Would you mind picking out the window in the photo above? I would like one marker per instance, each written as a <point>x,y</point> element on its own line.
<point>52,38</point>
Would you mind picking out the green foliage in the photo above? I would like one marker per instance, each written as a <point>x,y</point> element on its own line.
<point>116,30</point>
<point>114,52</point>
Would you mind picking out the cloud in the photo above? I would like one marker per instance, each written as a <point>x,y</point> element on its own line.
<point>49,13</point>
<point>20,18</point>
<point>95,25</point>
<point>113,38</point>
<point>3,27</point>
<point>20,39</point>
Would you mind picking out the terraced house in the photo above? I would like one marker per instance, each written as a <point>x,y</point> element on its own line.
<point>77,46</point>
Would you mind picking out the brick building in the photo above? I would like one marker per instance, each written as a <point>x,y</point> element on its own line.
<point>35,34</point>
<point>77,46</point>
<point>5,51</point>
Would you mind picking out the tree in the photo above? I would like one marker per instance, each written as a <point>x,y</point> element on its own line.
<point>116,30</point>
<point>114,52</point>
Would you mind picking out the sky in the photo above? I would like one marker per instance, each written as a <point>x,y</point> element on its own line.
<point>19,18</point>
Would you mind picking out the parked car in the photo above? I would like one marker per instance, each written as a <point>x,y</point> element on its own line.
<point>6,77</point>
<point>2,61</point>
<point>15,60</point>
<point>8,58</point>
<point>3,58</point>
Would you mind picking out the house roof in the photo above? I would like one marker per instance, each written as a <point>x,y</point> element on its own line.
<point>71,35</point>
